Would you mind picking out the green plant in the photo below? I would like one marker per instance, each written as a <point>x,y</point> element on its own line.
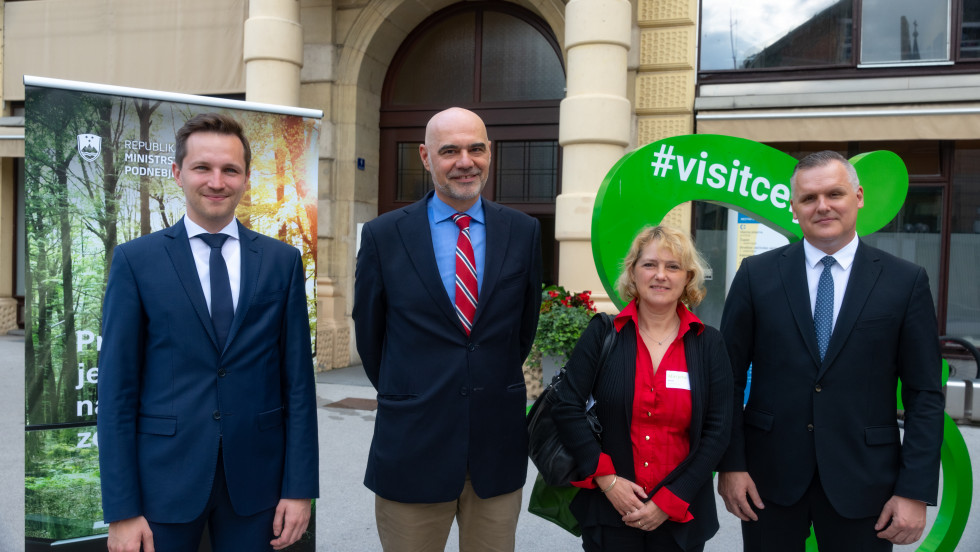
<point>564,315</point>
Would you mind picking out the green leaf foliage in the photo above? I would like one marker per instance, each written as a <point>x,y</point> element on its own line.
<point>564,315</point>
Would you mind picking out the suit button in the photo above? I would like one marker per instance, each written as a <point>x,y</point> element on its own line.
<point>809,427</point>
<point>471,347</point>
<point>221,372</point>
<point>216,415</point>
<point>818,388</point>
<point>462,391</point>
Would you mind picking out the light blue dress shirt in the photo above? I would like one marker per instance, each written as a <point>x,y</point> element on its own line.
<point>444,235</point>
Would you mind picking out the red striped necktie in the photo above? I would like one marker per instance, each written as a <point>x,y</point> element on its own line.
<point>466,283</point>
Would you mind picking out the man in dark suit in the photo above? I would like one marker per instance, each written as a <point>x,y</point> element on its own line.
<point>830,325</point>
<point>207,405</point>
<point>446,298</point>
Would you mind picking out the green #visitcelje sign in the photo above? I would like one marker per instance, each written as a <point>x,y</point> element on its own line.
<point>753,179</point>
<point>740,174</point>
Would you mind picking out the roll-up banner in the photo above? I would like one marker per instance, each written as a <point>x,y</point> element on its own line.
<point>98,173</point>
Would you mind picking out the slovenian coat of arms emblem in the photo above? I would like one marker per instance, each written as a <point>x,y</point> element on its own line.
<point>89,146</point>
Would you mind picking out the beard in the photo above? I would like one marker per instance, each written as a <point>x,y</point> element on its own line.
<point>460,192</point>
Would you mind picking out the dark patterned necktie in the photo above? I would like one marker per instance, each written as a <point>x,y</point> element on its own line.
<point>823,311</point>
<point>466,283</point>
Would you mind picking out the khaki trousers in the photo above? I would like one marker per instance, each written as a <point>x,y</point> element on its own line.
<point>485,524</point>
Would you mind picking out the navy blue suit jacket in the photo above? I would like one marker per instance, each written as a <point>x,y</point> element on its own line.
<point>447,402</point>
<point>168,396</point>
<point>835,415</point>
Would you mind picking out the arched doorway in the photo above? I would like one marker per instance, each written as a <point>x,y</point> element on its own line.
<point>502,62</point>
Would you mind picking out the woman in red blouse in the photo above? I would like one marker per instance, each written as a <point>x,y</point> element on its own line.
<point>664,399</point>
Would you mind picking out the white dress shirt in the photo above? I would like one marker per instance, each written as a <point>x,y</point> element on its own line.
<point>231,251</point>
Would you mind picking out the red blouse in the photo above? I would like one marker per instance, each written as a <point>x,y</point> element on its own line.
<point>661,416</point>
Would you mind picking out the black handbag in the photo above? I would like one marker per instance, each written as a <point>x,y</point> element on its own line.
<point>554,462</point>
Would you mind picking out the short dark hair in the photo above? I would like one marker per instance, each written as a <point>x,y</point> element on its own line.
<point>211,122</point>
<point>821,158</point>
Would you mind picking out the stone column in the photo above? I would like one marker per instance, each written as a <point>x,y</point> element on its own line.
<point>8,183</point>
<point>8,209</point>
<point>273,52</point>
<point>666,77</point>
<point>318,89</point>
<point>594,130</point>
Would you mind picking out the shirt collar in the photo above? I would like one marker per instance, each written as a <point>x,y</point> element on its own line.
<point>844,256</point>
<point>194,229</point>
<point>688,319</point>
<point>442,211</point>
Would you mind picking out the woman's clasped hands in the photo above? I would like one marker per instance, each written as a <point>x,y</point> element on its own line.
<point>631,502</point>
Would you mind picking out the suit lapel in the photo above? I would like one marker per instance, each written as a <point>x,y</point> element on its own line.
<point>413,229</point>
<point>179,250</point>
<point>864,274</point>
<point>498,236</point>
<point>792,271</point>
<point>251,256</point>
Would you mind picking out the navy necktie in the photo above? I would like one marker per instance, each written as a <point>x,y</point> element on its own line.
<point>222,307</point>
<point>823,310</point>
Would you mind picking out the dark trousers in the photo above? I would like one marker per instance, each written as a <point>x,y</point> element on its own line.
<point>598,538</point>
<point>229,532</point>
<point>786,528</point>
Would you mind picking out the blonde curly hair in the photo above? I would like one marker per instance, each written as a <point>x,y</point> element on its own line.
<point>678,243</point>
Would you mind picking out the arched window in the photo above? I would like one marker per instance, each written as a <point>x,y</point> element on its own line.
<point>502,62</point>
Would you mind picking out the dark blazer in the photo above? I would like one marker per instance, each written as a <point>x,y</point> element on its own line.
<point>168,396</point>
<point>711,403</point>
<point>838,415</point>
<point>448,403</point>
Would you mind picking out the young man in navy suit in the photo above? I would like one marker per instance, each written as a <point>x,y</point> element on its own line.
<point>829,325</point>
<point>446,299</point>
<point>206,395</point>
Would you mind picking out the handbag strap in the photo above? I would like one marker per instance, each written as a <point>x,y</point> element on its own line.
<point>609,339</point>
<point>607,343</point>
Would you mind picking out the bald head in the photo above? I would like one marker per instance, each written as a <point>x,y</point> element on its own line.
<point>456,153</point>
<point>454,119</point>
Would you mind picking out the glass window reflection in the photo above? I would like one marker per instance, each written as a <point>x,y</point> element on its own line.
<point>904,31</point>
<point>518,62</point>
<point>527,171</point>
<point>963,314</point>
<point>422,77</point>
<point>754,35</point>
<point>970,37</point>
<point>914,234</point>
<point>413,180</point>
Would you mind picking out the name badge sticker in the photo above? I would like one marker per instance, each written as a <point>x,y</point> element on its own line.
<point>678,380</point>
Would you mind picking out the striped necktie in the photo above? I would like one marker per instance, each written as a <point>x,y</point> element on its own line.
<point>466,283</point>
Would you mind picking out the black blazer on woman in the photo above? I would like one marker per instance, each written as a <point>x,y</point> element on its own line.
<point>711,401</point>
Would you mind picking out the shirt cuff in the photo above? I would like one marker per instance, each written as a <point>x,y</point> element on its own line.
<point>605,467</point>
<point>675,508</point>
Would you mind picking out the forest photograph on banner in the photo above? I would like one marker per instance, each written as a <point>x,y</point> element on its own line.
<point>98,174</point>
